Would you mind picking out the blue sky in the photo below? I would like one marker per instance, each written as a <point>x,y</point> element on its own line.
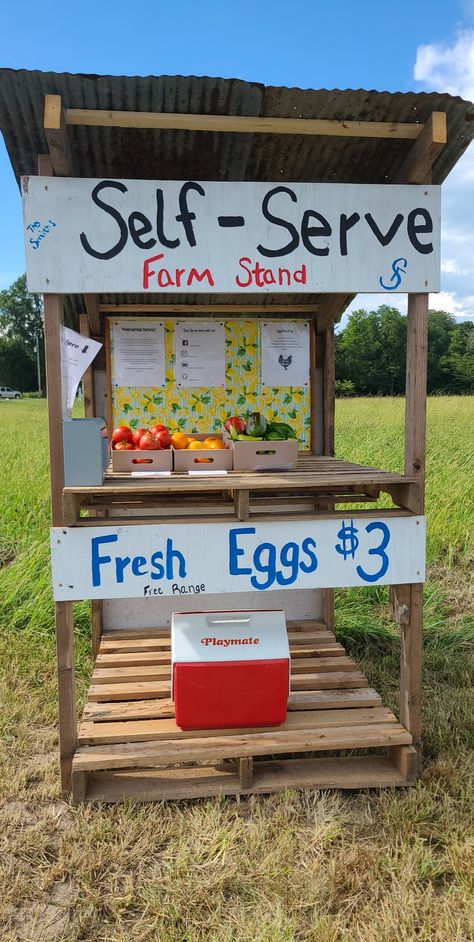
<point>415,45</point>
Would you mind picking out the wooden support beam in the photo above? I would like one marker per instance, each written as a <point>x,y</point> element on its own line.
<point>93,314</point>
<point>53,317</point>
<point>88,378</point>
<point>410,666</point>
<point>418,164</point>
<point>67,715</point>
<point>244,124</point>
<point>331,309</point>
<point>45,165</point>
<point>245,768</point>
<point>56,133</point>
<point>329,400</point>
<point>400,604</point>
<point>415,396</point>
<point>270,310</point>
<point>97,621</point>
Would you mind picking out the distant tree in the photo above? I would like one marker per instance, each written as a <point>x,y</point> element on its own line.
<point>21,328</point>
<point>17,365</point>
<point>371,351</point>
<point>21,313</point>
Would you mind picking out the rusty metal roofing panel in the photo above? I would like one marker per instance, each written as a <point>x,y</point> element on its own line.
<point>170,154</point>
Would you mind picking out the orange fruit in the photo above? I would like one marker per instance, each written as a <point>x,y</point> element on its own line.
<point>216,444</point>
<point>179,440</point>
<point>194,445</point>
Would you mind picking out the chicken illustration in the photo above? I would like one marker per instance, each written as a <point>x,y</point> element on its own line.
<point>285,362</point>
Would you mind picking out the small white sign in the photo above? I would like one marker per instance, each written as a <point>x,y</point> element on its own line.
<point>284,354</point>
<point>179,559</point>
<point>139,353</point>
<point>77,353</point>
<point>199,354</point>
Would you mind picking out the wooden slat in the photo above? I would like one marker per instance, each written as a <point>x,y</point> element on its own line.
<point>94,733</point>
<point>127,755</point>
<point>245,124</point>
<point>143,690</point>
<point>317,681</point>
<point>271,310</point>
<point>93,314</point>
<point>313,472</point>
<point>298,652</point>
<point>298,700</point>
<point>351,772</point>
<point>108,646</point>
<point>153,672</point>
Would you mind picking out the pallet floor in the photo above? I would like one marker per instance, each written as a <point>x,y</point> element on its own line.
<point>130,747</point>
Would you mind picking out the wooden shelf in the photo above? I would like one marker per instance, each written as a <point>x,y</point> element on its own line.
<point>128,733</point>
<point>314,477</point>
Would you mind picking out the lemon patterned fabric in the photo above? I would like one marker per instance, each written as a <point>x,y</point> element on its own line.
<point>206,409</point>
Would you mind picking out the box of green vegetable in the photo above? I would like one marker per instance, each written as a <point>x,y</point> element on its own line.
<point>259,445</point>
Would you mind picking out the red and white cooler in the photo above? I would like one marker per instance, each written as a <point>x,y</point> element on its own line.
<point>229,669</point>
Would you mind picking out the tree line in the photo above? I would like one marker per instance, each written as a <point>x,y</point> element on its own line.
<point>21,329</point>
<point>370,349</point>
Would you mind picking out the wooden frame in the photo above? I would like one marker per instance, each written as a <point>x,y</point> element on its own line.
<point>339,709</point>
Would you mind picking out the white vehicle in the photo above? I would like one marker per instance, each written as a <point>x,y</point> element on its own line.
<point>7,393</point>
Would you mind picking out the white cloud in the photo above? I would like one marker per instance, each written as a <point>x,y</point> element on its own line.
<point>448,68</point>
<point>451,267</point>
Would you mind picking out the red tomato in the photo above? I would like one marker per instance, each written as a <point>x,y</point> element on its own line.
<point>149,442</point>
<point>158,428</point>
<point>123,446</point>
<point>164,438</point>
<point>137,434</point>
<point>122,434</point>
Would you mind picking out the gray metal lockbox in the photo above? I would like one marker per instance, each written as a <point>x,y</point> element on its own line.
<point>86,451</point>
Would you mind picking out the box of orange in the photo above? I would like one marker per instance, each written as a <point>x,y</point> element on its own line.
<point>205,458</point>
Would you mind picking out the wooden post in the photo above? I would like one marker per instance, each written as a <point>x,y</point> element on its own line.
<point>329,414</point>
<point>88,378</point>
<point>53,317</point>
<point>411,626</point>
<point>329,392</point>
<point>415,395</point>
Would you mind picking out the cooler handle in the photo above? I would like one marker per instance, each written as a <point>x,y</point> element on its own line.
<point>228,621</point>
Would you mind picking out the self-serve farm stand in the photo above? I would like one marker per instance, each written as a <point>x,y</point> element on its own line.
<point>265,167</point>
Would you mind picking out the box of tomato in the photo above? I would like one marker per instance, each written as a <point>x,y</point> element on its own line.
<point>141,449</point>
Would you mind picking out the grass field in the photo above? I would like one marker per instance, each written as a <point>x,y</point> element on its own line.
<point>297,867</point>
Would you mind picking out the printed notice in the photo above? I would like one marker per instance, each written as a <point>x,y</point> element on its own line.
<point>284,349</point>
<point>139,353</point>
<point>200,353</point>
<point>77,353</point>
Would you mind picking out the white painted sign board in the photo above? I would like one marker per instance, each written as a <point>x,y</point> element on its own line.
<point>176,559</point>
<point>170,236</point>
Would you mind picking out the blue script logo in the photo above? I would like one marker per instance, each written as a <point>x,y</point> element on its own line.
<point>399,267</point>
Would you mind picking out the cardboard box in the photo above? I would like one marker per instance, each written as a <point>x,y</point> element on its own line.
<point>141,460</point>
<point>205,459</point>
<point>264,456</point>
<point>229,669</point>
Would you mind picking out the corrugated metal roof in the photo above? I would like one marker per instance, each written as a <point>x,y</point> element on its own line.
<point>171,154</point>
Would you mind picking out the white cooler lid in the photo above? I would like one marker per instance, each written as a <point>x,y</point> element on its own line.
<point>228,636</point>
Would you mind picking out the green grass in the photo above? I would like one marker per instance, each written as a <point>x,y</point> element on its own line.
<point>297,867</point>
